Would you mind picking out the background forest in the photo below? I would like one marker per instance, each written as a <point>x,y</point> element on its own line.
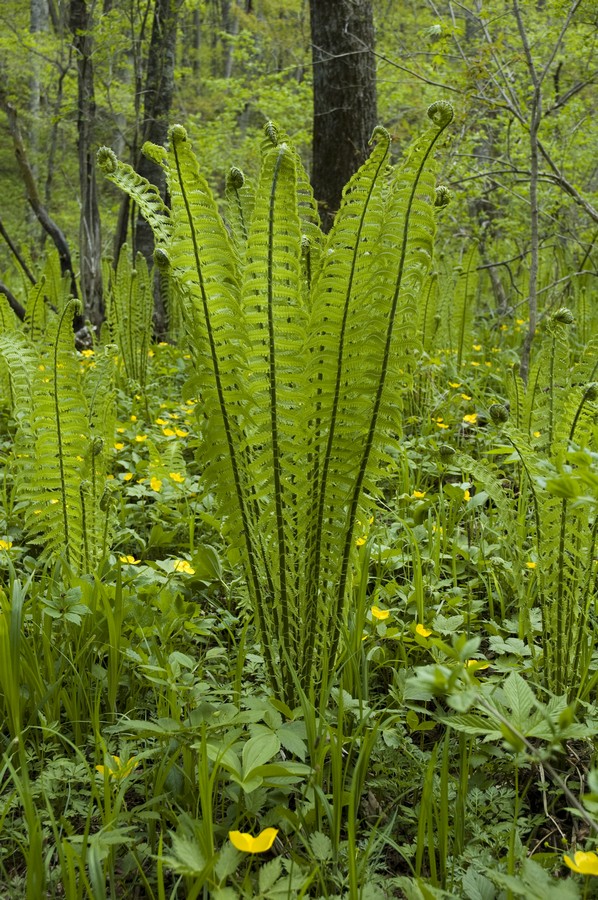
<point>298,541</point>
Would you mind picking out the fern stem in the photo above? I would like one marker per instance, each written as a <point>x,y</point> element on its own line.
<point>68,311</point>
<point>311,611</point>
<point>276,453</point>
<point>353,506</point>
<point>254,576</point>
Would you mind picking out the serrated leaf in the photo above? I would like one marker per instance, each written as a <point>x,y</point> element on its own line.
<point>187,858</point>
<point>269,874</point>
<point>520,699</point>
<point>477,887</point>
<point>228,860</point>
<point>321,846</point>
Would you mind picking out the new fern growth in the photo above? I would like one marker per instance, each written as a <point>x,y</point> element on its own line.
<point>298,344</point>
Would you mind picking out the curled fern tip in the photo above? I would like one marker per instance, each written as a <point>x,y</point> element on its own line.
<point>236,179</point>
<point>380,134</point>
<point>441,113</point>
<point>161,259</point>
<point>442,197</point>
<point>107,160</point>
<point>271,132</point>
<point>178,134</point>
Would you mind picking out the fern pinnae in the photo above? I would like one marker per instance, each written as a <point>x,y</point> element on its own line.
<point>441,114</point>
<point>178,141</point>
<point>367,178</point>
<point>66,317</point>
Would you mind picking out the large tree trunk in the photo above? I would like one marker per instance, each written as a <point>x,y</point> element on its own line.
<point>344,67</point>
<point>158,93</point>
<point>90,239</point>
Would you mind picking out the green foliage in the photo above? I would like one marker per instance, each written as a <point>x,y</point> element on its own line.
<point>292,378</point>
<point>129,306</point>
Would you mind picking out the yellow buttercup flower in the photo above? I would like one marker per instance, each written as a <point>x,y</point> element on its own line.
<point>466,496</point>
<point>5,545</point>
<point>118,446</point>
<point>168,432</point>
<point>155,484</point>
<point>360,541</point>
<point>160,421</point>
<point>471,419</point>
<point>127,476</point>
<point>477,664</point>
<point>116,768</point>
<point>455,384</point>
<point>465,397</point>
<point>530,565</point>
<point>180,432</point>
<point>140,438</point>
<point>584,863</point>
<point>176,477</point>
<point>380,614</point>
<point>182,565</point>
<point>477,346</point>
<point>422,630</point>
<point>249,844</point>
<point>129,559</point>
<point>133,418</point>
<point>418,495</point>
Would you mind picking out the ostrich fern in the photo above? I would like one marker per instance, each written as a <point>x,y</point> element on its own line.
<point>298,342</point>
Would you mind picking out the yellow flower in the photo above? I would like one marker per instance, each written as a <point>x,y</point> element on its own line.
<point>418,495</point>
<point>249,844</point>
<point>5,545</point>
<point>441,425</point>
<point>488,363</point>
<point>477,346</point>
<point>474,362</point>
<point>118,446</point>
<point>466,496</point>
<point>471,419</point>
<point>87,353</point>
<point>133,418</point>
<point>177,477</point>
<point>530,565</point>
<point>160,421</point>
<point>180,432</point>
<point>465,397</point>
<point>477,664</point>
<point>422,630</point>
<point>116,768</point>
<point>360,541</point>
<point>127,476</point>
<point>140,438</point>
<point>155,484</point>
<point>537,433</point>
<point>584,863</point>
<point>129,559</point>
<point>380,614</point>
<point>168,432</point>
<point>455,384</point>
<point>182,565</point>
<point>120,430</point>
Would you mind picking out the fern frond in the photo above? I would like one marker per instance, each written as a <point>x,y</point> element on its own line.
<point>49,485</point>
<point>145,195</point>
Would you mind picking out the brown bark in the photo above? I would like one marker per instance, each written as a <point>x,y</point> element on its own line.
<point>344,79</point>
<point>158,93</point>
<point>90,238</point>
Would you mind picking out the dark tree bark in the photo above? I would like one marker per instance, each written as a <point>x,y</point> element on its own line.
<point>344,78</point>
<point>158,93</point>
<point>90,238</point>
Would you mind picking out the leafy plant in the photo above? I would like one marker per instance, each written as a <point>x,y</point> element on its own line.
<point>300,378</point>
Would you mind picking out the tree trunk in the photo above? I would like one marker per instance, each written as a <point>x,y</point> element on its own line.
<point>158,93</point>
<point>344,79</point>
<point>90,240</point>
